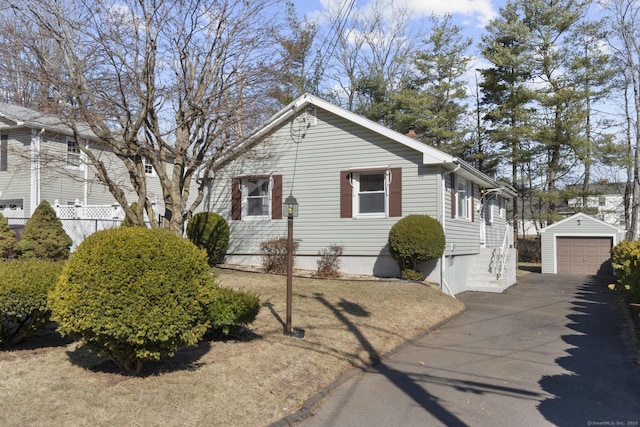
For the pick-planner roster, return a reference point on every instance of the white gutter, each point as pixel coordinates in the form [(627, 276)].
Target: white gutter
[(35, 170), (443, 282)]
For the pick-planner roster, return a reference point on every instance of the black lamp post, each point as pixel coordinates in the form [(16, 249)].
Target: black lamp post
[(291, 207)]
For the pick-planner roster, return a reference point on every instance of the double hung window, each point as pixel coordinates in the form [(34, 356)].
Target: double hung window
[(371, 193)]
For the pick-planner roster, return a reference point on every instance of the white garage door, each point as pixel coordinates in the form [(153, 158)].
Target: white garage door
[(584, 255)]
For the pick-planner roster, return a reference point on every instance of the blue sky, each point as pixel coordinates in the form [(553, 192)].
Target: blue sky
[(474, 15)]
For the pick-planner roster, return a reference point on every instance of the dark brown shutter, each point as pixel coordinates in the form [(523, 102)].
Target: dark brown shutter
[(453, 196), (236, 199), (276, 197), (346, 195), (395, 192)]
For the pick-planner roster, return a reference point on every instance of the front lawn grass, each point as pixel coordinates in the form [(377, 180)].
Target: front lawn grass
[(253, 381)]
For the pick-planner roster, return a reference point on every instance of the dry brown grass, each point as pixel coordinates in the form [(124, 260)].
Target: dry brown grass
[(252, 382)]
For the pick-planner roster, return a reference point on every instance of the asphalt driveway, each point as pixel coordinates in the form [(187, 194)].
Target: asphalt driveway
[(552, 350)]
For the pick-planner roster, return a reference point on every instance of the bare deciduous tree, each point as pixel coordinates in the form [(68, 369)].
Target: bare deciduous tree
[(170, 82)]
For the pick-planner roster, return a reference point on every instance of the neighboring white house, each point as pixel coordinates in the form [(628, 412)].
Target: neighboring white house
[(353, 179), (40, 160), (605, 202)]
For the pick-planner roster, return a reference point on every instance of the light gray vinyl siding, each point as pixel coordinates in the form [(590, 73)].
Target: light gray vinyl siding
[(310, 163), (15, 181), (462, 235)]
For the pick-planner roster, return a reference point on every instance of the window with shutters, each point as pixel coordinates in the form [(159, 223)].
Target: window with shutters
[(256, 197), (371, 193)]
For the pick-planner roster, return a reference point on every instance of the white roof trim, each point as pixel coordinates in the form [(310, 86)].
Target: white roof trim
[(430, 155), (582, 216)]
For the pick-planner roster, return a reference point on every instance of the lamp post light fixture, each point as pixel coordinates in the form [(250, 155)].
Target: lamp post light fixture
[(291, 207)]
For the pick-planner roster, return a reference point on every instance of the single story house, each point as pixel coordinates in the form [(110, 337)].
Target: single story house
[(353, 179), (579, 244)]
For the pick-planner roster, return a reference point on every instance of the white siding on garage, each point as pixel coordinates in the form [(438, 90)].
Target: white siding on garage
[(576, 226)]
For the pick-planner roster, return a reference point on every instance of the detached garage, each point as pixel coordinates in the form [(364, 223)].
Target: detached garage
[(580, 244)]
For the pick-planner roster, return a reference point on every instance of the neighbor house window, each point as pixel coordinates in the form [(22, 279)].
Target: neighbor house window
[(4, 148), (73, 153), (256, 197), (148, 167), (371, 193)]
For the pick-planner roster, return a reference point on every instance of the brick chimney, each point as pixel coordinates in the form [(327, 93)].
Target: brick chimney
[(412, 134)]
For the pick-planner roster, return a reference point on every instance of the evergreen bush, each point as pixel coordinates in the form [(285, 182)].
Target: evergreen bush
[(230, 310), (210, 231), (8, 243), (415, 239), (24, 288), (43, 236), (134, 294), (625, 259)]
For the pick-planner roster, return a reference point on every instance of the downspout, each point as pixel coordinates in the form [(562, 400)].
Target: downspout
[(86, 174), (443, 282), (35, 171)]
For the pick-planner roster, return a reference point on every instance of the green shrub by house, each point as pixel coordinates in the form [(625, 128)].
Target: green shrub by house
[(8, 243), (210, 231), (625, 259), (24, 288), (231, 309), (415, 239), (134, 294), (43, 236)]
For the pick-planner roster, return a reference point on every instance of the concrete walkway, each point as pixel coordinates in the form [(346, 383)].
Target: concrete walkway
[(552, 350)]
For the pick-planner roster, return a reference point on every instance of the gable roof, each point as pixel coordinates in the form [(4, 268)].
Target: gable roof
[(430, 155), (581, 216), (23, 117)]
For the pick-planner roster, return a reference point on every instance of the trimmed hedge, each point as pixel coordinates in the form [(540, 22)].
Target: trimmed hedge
[(625, 259), (230, 310), (415, 239), (24, 288), (43, 236), (210, 231), (8, 243), (134, 294)]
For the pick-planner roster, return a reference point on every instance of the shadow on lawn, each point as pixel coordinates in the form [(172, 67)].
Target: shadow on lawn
[(185, 359)]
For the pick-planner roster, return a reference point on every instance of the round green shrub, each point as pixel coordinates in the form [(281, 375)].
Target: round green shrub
[(8, 243), (210, 231), (415, 239), (24, 288), (43, 236), (134, 294), (231, 309)]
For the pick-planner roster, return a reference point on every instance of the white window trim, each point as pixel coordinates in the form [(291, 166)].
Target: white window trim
[(147, 162), (355, 184), (245, 204), (467, 199), (81, 157)]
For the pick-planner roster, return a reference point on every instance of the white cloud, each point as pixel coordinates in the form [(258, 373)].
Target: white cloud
[(481, 11)]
